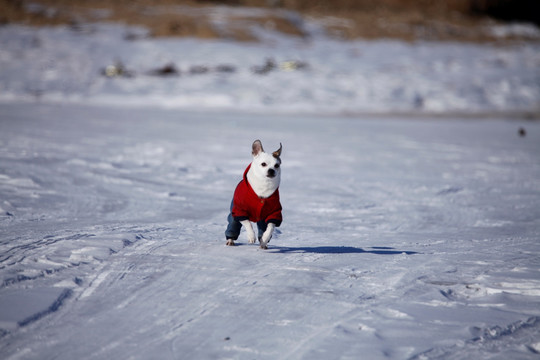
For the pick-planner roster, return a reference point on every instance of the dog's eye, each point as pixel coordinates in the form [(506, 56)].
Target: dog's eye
[(276, 166), (263, 164)]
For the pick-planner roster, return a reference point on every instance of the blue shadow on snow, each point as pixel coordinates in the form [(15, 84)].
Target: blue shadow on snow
[(339, 250)]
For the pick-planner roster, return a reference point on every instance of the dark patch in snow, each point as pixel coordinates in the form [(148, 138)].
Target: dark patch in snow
[(51, 309), (21, 278), (225, 68), (166, 70), (449, 294), (126, 242), (264, 69), (450, 190)]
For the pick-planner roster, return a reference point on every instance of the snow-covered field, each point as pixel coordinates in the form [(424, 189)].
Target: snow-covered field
[(403, 237), (317, 75)]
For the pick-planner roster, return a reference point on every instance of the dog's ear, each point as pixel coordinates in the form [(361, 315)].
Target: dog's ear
[(277, 153), (256, 148)]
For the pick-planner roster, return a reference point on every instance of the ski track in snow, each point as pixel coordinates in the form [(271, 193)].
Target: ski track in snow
[(401, 238)]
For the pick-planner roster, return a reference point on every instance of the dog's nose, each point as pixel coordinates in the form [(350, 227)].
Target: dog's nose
[(271, 173)]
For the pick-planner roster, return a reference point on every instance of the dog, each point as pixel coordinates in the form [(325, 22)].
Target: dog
[(256, 198)]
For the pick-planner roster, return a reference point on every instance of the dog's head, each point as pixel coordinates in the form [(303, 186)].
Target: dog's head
[(264, 165)]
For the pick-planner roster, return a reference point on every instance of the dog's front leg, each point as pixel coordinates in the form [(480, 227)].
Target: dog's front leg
[(249, 230), (267, 235)]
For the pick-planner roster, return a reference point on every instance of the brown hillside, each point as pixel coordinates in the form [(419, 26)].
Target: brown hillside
[(455, 20)]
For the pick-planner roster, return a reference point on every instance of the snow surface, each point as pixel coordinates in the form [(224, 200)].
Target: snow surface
[(403, 237)]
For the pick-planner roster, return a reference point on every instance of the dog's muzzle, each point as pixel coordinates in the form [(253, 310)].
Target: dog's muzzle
[(271, 173)]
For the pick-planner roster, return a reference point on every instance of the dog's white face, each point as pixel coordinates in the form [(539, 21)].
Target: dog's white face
[(265, 172), (266, 166)]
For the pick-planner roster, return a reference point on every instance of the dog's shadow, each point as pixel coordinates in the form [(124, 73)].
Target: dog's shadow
[(378, 250)]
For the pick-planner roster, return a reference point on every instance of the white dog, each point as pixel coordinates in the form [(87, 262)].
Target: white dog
[(256, 198)]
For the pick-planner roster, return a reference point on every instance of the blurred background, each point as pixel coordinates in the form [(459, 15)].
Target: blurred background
[(341, 56), (461, 20)]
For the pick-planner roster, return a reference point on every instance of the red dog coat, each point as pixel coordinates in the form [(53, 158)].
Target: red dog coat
[(247, 205)]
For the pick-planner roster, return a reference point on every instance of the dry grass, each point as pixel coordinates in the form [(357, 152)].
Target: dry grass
[(162, 17), (406, 25), (347, 19)]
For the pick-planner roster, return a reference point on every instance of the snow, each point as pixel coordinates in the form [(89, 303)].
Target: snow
[(404, 237), (62, 64)]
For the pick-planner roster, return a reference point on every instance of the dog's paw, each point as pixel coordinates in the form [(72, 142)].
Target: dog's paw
[(230, 242), (267, 235), (264, 245), (251, 238)]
